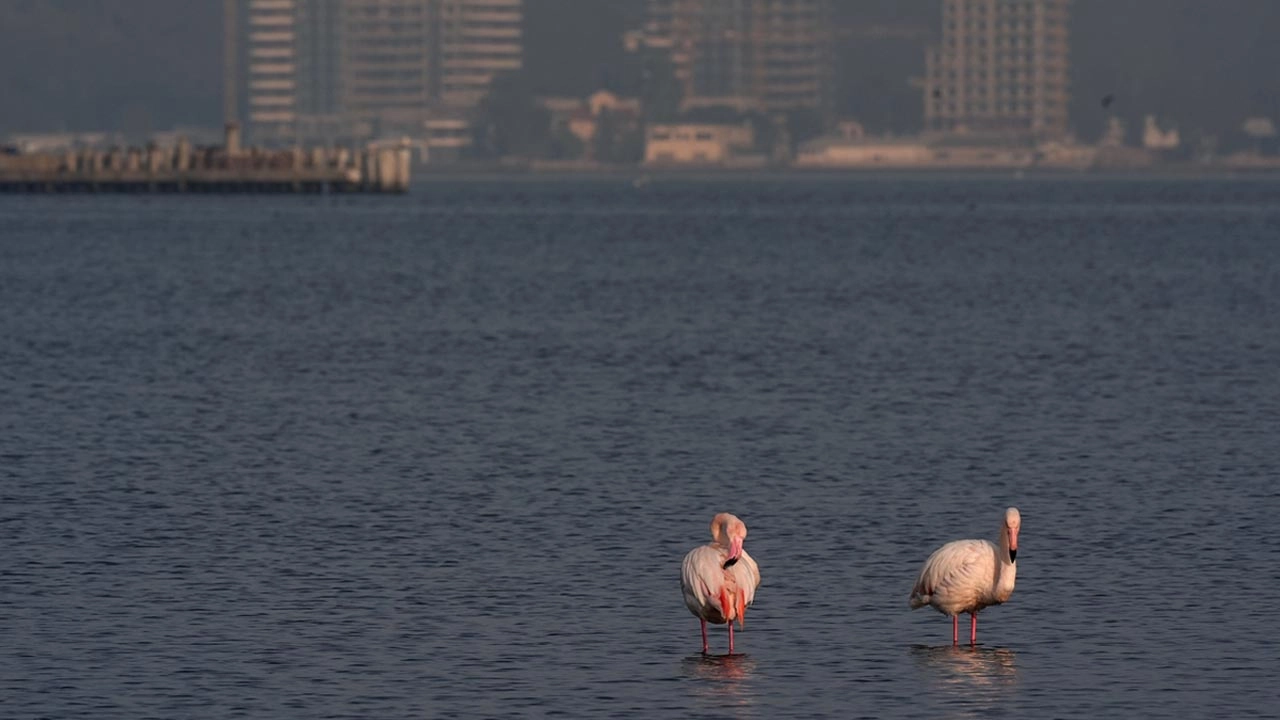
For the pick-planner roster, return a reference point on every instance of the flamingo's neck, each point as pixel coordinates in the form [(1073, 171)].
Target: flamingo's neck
[(1006, 570), (1005, 576)]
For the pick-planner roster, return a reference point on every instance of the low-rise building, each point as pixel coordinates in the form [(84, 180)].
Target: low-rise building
[(602, 101), (26, 143), (696, 144), (941, 152), (862, 152), (581, 116), (1154, 138), (585, 117), (447, 138)]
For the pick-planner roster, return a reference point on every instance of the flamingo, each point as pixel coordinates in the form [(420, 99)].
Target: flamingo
[(719, 579), (968, 575)]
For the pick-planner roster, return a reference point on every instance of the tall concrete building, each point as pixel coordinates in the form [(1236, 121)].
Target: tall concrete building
[(267, 60), (477, 40), (355, 68), (777, 53), (281, 58), (385, 67), (1003, 67)]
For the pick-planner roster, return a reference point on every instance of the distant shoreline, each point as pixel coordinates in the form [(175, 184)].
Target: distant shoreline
[(429, 174)]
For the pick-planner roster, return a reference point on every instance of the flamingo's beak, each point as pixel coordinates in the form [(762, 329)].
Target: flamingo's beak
[(735, 550), (1013, 544)]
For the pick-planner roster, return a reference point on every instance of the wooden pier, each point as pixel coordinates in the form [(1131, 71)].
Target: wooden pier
[(183, 168)]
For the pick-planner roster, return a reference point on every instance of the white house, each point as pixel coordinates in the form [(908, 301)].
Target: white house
[(696, 144)]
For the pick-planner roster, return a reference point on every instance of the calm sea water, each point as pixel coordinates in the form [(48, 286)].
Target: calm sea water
[(441, 455)]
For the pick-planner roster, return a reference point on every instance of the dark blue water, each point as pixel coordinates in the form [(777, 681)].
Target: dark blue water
[(441, 455)]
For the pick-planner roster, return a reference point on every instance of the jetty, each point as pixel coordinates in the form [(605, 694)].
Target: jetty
[(230, 168)]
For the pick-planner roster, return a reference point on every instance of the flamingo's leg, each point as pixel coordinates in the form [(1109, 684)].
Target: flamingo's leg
[(955, 629), (704, 635), (730, 637), (973, 628)]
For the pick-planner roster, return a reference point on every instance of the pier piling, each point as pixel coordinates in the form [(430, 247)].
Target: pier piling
[(227, 169)]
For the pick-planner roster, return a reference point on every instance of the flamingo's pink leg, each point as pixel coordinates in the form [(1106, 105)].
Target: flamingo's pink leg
[(731, 637), (955, 629), (704, 635), (973, 628)]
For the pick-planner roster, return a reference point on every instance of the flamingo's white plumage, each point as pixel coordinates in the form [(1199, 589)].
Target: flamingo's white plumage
[(719, 579), (966, 576)]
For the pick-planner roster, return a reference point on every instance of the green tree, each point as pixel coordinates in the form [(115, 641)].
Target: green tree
[(603, 144), (618, 139), (564, 145), (509, 121), (629, 148), (805, 124)]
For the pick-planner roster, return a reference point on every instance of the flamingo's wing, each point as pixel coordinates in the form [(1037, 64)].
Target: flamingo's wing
[(701, 578), (957, 564), (747, 576)]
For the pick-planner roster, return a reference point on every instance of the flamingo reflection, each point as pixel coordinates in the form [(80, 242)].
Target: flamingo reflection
[(725, 680), (977, 672), (720, 667)]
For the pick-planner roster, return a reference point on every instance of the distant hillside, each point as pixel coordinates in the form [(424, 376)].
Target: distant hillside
[(136, 65)]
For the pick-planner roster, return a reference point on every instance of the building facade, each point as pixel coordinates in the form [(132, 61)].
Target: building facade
[(1002, 68), (351, 69), (385, 65), (695, 144), (478, 39), (268, 62), (775, 52)]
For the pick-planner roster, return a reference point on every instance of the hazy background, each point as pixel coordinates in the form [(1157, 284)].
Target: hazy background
[(144, 65)]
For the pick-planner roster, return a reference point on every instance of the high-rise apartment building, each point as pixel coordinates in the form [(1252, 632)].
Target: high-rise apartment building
[(306, 67), (386, 66), (319, 52), (1002, 67), (777, 53), (282, 57), (268, 61), (478, 39)]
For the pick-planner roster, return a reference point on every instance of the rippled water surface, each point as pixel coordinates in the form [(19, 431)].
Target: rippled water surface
[(441, 455)]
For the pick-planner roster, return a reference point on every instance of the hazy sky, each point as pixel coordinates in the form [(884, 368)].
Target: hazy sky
[(141, 65)]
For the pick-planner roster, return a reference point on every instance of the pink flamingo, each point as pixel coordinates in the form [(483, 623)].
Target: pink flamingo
[(968, 575), (719, 579)]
